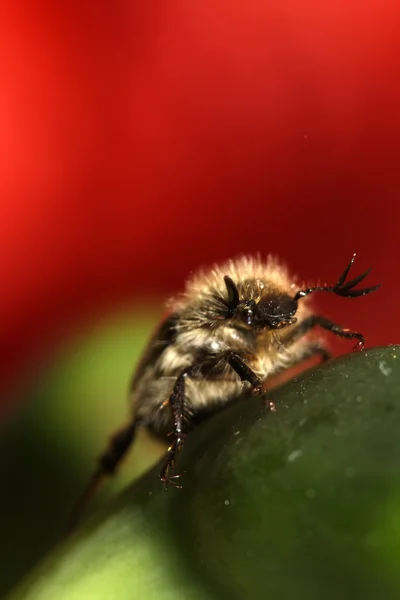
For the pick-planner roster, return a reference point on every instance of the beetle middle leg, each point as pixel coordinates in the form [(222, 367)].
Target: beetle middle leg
[(179, 410), (177, 404), (317, 320)]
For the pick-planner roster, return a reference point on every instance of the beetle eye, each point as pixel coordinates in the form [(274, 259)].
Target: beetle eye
[(277, 308)]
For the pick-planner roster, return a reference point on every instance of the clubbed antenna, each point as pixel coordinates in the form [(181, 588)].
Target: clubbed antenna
[(233, 294), (341, 288)]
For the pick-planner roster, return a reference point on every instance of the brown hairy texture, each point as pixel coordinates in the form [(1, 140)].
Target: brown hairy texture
[(202, 331), (245, 322)]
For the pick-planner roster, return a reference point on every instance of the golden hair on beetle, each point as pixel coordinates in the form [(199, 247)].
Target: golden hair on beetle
[(236, 324)]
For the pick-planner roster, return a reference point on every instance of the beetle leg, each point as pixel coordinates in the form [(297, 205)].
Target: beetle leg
[(317, 320), (107, 465), (177, 404), (245, 373)]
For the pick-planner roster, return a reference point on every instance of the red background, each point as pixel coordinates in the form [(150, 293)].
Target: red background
[(141, 139)]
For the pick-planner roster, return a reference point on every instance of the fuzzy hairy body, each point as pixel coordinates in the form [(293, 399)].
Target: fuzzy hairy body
[(236, 324), (198, 333)]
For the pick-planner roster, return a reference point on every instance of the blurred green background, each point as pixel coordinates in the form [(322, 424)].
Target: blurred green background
[(49, 447), (297, 502)]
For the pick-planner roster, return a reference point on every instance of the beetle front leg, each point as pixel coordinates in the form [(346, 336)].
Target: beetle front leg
[(245, 373), (179, 411)]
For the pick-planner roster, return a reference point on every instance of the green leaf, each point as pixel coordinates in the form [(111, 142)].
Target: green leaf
[(301, 502)]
